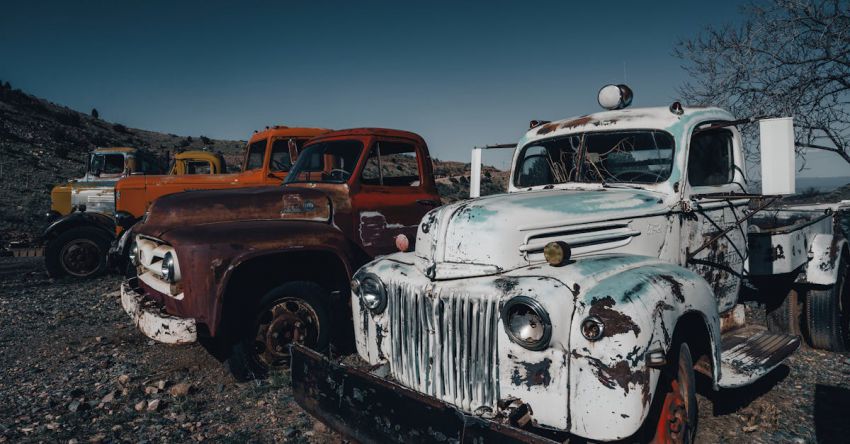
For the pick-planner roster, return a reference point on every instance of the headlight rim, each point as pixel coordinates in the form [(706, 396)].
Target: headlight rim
[(361, 281), (539, 310), (169, 267)]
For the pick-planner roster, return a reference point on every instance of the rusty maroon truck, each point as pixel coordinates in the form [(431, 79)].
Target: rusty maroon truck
[(581, 303), (249, 271)]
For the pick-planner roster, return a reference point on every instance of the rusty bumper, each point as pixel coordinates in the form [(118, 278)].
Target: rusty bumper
[(150, 319), (370, 409)]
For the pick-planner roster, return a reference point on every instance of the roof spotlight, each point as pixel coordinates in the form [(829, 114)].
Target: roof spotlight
[(613, 97)]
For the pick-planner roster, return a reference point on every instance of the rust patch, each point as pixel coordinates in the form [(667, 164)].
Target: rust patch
[(535, 374), (581, 121), (615, 321), (547, 128), (619, 375), (506, 284), (675, 286)]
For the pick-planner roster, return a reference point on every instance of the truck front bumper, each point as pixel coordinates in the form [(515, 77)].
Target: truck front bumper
[(152, 321), (370, 409)]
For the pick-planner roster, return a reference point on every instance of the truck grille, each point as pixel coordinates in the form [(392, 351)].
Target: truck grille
[(444, 344)]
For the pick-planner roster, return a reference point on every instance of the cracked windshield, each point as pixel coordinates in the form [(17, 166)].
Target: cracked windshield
[(612, 157)]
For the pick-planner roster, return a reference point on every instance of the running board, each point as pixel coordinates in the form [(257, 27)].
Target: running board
[(751, 352)]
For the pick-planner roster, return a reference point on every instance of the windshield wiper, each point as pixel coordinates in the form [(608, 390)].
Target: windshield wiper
[(621, 185)]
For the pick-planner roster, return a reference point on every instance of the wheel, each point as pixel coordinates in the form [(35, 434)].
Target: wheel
[(677, 412), (292, 312), (79, 252), (826, 322), (785, 318)]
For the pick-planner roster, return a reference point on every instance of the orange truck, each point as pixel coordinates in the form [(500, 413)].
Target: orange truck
[(268, 157)]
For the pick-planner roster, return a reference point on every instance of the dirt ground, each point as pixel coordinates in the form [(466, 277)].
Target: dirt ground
[(73, 369)]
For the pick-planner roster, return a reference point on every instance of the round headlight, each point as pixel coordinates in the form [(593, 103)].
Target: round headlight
[(372, 294), (527, 323), (168, 272)]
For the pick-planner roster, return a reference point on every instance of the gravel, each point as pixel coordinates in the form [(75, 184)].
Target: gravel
[(74, 369)]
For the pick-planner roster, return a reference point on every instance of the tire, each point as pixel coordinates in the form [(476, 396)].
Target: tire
[(676, 408), (785, 318), (826, 321), (78, 252), (286, 311)]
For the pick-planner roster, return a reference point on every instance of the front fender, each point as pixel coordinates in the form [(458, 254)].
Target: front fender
[(611, 385), (209, 255), (79, 219), (825, 253)]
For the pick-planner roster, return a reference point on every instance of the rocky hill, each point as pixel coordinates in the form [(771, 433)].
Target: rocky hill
[(43, 144)]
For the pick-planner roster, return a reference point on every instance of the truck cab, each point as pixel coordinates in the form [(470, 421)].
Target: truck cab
[(249, 271), (578, 304), (197, 162)]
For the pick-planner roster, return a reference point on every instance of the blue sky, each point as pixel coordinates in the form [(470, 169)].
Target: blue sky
[(459, 74)]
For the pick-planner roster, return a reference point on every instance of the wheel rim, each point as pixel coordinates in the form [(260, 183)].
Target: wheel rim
[(80, 257), (674, 421), (289, 320)]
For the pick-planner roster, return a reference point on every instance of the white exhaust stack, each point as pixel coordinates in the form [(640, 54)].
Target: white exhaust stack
[(777, 156), (475, 174)]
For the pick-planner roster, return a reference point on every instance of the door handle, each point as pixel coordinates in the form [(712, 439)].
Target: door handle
[(428, 202)]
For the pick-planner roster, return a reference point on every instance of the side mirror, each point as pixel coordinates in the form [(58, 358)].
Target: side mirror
[(776, 137)]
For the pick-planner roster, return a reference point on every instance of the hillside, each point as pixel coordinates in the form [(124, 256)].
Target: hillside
[(43, 144)]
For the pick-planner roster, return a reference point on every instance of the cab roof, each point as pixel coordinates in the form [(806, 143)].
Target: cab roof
[(116, 149), (285, 131), (196, 154), (387, 132), (630, 118)]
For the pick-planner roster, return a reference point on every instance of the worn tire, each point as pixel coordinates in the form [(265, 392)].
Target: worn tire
[(785, 318), (676, 386), (826, 319), (251, 357), (78, 252)]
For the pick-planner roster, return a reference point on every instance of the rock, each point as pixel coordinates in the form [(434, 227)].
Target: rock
[(160, 384), (140, 405), (108, 398), (319, 427), (123, 379), (151, 390), (180, 389), (153, 405), (290, 432), (74, 405)]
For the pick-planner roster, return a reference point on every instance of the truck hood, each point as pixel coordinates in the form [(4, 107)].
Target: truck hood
[(506, 231), (212, 206)]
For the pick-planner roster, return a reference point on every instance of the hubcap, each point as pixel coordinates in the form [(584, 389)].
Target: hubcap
[(673, 421), (80, 257), (290, 320)]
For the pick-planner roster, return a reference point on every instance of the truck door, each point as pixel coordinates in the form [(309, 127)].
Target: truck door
[(713, 159), (392, 197)]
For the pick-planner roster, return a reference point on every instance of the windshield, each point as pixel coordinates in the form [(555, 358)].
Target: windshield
[(104, 164), (642, 156), (330, 162)]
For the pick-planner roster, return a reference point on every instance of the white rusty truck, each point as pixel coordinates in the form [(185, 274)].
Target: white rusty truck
[(581, 303)]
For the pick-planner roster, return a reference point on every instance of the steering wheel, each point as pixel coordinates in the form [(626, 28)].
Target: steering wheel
[(634, 176), (343, 175)]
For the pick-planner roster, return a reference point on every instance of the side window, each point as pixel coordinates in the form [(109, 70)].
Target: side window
[(711, 160), (256, 155), (391, 164), (281, 159), (535, 169), (197, 167)]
